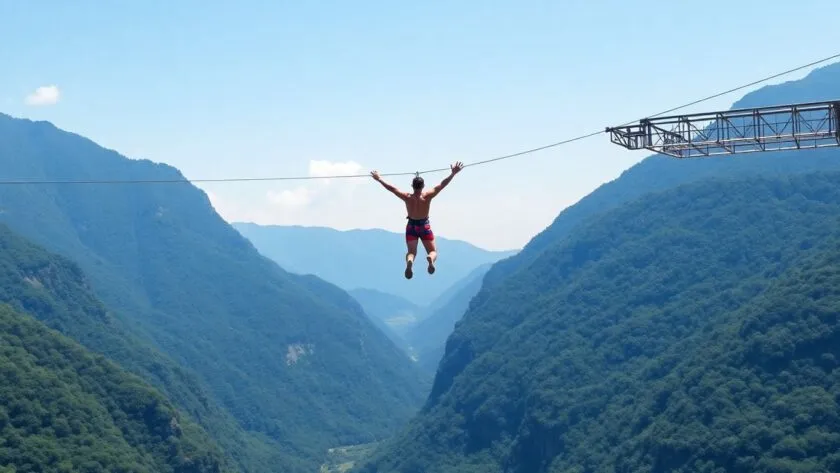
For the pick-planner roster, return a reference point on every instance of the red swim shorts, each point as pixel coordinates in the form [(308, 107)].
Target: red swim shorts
[(418, 229)]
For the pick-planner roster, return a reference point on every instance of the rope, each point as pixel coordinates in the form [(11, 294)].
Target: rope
[(415, 173)]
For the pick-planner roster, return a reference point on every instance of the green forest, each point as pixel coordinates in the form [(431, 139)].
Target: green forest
[(65, 409), (693, 330), (56, 291)]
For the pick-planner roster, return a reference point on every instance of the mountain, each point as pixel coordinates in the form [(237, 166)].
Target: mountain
[(693, 329), (67, 409), (54, 290), (376, 256), (428, 337), (291, 358)]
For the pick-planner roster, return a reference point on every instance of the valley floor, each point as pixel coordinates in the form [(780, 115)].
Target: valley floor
[(342, 459)]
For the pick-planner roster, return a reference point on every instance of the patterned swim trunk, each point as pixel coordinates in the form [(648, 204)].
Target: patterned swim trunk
[(418, 229)]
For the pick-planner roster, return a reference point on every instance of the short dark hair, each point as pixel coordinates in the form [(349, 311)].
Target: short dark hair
[(417, 183)]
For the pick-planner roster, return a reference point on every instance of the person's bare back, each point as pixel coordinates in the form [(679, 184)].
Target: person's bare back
[(417, 206)]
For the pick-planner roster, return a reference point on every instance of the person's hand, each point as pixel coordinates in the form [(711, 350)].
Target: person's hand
[(375, 175), (456, 167)]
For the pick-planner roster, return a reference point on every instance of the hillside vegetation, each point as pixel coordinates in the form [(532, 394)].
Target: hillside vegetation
[(291, 358), (65, 409), (55, 290), (693, 330)]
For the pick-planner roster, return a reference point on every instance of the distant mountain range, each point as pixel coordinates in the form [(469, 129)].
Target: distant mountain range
[(365, 259)]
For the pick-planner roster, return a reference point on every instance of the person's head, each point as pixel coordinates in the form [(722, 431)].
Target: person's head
[(417, 184)]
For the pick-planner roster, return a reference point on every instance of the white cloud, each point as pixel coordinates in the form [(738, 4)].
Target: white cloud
[(307, 194), (295, 198), (46, 95), (343, 203), (329, 168)]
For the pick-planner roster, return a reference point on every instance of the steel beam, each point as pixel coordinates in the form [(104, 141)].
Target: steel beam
[(787, 127)]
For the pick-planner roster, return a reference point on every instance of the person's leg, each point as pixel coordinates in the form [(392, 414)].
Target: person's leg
[(411, 246), (431, 254), (409, 257), (428, 238)]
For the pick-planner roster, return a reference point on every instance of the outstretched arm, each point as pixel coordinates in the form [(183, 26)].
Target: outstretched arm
[(390, 188), (456, 168)]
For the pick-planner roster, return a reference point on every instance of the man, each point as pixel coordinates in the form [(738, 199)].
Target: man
[(417, 205)]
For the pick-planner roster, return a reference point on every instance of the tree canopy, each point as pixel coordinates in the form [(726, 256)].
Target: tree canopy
[(65, 409)]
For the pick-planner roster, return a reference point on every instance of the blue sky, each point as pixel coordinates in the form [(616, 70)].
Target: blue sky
[(273, 88)]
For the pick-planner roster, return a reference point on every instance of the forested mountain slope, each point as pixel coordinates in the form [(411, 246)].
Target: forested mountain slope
[(290, 357), (55, 291), (691, 330), (66, 409), (661, 172), (376, 256)]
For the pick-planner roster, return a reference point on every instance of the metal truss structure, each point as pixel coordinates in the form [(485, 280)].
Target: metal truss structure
[(786, 127)]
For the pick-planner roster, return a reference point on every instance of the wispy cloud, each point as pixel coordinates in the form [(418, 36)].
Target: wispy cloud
[(291, 198), (329, 168), (45, 95), (305, 194)]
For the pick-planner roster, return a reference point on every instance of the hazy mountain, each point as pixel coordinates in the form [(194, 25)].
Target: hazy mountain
[(291, 358), (377, 258)]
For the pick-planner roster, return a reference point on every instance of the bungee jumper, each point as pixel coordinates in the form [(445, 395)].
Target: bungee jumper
[(417, 204)]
